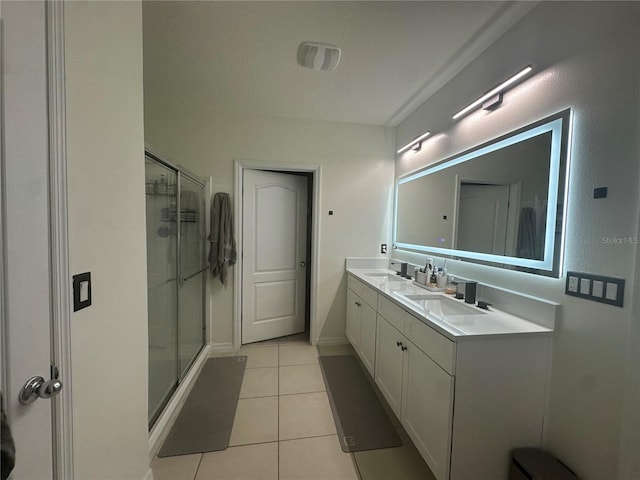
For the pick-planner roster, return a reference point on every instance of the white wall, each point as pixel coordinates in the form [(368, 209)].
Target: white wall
[(107, 237), (357, 174), (585, 56)]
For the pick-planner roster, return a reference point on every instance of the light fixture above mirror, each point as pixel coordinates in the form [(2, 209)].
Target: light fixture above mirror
[(415, 144), (495, 92)]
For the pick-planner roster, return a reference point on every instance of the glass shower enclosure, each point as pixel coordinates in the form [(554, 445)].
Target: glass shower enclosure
[(176, 273)]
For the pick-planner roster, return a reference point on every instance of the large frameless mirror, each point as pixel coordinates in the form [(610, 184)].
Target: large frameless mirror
[(501, 203)]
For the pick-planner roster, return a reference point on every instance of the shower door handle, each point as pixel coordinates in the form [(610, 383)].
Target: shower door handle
[(188, 277)]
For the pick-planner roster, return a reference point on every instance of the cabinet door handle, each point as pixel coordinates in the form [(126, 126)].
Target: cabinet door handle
[(398, 344), (404, 349), (358, 304)]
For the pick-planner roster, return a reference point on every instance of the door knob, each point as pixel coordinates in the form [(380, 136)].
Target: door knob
[(37, 387), (302, 264)]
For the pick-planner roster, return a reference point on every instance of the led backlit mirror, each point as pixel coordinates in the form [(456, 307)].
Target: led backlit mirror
[(500, 203)]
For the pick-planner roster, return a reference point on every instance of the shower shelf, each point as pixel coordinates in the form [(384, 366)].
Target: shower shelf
[(187, 215), (160, 189)]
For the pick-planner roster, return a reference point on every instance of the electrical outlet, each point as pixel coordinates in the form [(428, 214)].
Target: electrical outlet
[(572, 285), (383, 248)]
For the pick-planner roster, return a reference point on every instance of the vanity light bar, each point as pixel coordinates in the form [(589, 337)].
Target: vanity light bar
[(494, 91), (413, 142)]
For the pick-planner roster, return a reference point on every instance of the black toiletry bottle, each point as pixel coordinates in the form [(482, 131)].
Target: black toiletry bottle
[(433, 281)]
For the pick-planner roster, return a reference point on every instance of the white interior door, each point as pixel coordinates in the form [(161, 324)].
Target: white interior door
[(482, 218), (26, 265), (274, 230)]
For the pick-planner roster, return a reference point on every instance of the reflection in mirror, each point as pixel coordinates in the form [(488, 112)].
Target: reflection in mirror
[(500, 203)]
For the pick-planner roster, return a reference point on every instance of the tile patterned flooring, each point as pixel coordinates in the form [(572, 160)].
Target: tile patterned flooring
[(284, 429)]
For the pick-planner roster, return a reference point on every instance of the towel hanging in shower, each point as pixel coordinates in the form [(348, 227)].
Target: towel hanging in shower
[(223, 246)]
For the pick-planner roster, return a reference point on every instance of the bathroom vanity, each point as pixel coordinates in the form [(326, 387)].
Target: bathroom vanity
[(468, 385)]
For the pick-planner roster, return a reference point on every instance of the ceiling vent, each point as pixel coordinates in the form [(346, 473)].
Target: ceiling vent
[(318, 56)]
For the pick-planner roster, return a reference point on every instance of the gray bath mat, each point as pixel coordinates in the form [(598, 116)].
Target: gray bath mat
[(205, 421), (361, 420)]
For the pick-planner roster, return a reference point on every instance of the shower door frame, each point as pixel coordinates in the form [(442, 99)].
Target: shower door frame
[(181, 172)]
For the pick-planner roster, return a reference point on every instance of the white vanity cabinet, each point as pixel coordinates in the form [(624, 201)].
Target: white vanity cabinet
[(390, 363), (418, 390), (427, 409), (353, 318), (361, 321), (465, 401)]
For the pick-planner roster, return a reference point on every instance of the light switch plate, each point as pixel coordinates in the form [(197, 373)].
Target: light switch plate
[(585, 286), (609, 290), (612, 291), (597, 288), (81, 291)]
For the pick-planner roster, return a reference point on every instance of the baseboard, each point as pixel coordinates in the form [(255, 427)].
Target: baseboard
[(332, 341), (162, 427), (221, 349)]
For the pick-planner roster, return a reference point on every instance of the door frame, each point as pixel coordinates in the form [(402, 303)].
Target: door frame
[(316, 170), (59, 242), (60, 281)]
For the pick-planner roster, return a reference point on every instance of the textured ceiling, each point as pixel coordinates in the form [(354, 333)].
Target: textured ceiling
[(240, 57)]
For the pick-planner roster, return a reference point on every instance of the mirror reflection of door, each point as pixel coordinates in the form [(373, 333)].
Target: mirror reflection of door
[(482, 218)]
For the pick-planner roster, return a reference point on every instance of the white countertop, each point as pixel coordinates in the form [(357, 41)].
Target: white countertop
[(454, 326)]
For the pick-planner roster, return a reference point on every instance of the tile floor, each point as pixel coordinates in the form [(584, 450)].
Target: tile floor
[(284, 429)]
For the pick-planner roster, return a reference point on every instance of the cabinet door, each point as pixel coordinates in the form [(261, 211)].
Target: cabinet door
[(368, 337), (427, 409), (389, 362), (353, 319)]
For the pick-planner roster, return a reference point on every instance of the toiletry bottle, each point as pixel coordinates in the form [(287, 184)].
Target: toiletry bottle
[(450, 289), (441, 279), (433, 281)]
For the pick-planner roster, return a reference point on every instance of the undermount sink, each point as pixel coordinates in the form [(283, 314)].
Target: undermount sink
[(442, 306), (423, 296), (389, 276)]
